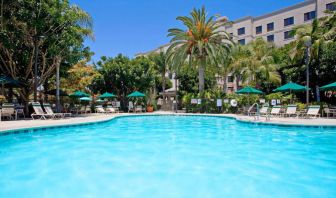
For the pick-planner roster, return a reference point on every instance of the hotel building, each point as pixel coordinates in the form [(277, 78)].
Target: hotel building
[(274, 27)]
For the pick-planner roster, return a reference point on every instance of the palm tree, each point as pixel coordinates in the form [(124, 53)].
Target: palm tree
[(254, 63), (199, 44), (161, 65)]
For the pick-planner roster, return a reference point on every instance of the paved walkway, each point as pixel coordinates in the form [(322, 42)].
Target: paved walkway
[(22, 124)]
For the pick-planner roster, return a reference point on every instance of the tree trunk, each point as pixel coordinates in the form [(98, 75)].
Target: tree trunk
[(164, 88), (201, 71), (225, 83)]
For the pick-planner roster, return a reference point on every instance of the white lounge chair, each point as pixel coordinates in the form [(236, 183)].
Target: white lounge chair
[(49, 111), (291, 110), (100, 109), (138, 108), (130, 106), (110, 109), (39, 111), (275, 111), (8, 110), (313, 111)]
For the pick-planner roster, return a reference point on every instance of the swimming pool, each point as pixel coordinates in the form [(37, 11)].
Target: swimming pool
[(169, 156)]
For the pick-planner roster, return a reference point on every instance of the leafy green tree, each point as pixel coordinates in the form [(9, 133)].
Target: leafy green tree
[(56, 28), (199, 44), (161, 65)]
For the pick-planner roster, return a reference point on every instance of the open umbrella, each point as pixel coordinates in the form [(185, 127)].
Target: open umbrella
[(107, 95), (290, 87), (79, 94), (136, 94), (85, 99), (329, 87), (249, 90), (4, 80)]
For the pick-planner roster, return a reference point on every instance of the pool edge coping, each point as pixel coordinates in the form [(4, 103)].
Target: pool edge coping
[(228, 116)]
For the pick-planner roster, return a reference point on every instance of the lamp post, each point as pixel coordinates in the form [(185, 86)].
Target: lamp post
[(36, 40), (307, 58)]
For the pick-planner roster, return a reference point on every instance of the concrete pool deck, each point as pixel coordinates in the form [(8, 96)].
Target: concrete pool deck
[(92, 118)]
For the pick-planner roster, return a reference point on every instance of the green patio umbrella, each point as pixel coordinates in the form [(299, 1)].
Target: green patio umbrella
[(136, 94), (100, 100), (4, 80), (290, 87), (85, 99), (79, 94), (329, 87), (249, 90), (107, 95)]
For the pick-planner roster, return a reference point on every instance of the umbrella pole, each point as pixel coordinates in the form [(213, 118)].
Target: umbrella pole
[(3, 89)]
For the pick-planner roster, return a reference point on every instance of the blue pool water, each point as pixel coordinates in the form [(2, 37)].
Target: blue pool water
[(170, 156)]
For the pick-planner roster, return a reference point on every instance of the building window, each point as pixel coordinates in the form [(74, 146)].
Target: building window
[(270, 27), (241, 41), (241, 31), (270, 38), (289, 21), (230, 79), (288, 34), (259, 30), (231, 35), (331, 6), (309, 16)]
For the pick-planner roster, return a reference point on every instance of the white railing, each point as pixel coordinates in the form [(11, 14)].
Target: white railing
[(257, 114)]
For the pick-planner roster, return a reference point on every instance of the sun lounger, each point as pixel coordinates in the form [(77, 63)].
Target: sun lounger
[(130, 106), (8, 110), (110, 109), (275, 111), (39, 111), (290, 111), (100, 109), (313, 111), (49, 111), (138, 109)]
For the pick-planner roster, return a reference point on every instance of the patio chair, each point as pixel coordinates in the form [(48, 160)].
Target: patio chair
[(39, 112), (263, 110), (8, 111), (138, 108), (130, 106), (291, 110), (312, 112), (100, 109), (275, 111), (49, 111), (327, 111), (110, 109)]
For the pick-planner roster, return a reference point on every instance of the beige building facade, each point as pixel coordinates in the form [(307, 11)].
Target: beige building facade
[(274, 27)]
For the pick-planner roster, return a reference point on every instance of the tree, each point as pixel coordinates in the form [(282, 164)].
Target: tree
[(199, 44), (161, 65), (63, 28), (121, 76), (81, 76)]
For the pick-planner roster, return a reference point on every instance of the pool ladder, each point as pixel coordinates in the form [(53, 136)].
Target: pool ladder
[(256, 116)]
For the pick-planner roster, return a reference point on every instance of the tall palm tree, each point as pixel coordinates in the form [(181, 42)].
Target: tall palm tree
[(200, 43), (161, 65)]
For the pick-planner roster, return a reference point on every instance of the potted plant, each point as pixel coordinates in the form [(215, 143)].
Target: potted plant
[(150, 101)]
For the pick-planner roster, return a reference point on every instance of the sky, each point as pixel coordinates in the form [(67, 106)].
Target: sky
[(133, 26)]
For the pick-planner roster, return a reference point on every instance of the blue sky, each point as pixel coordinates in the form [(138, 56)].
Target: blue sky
[(133, 26)]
